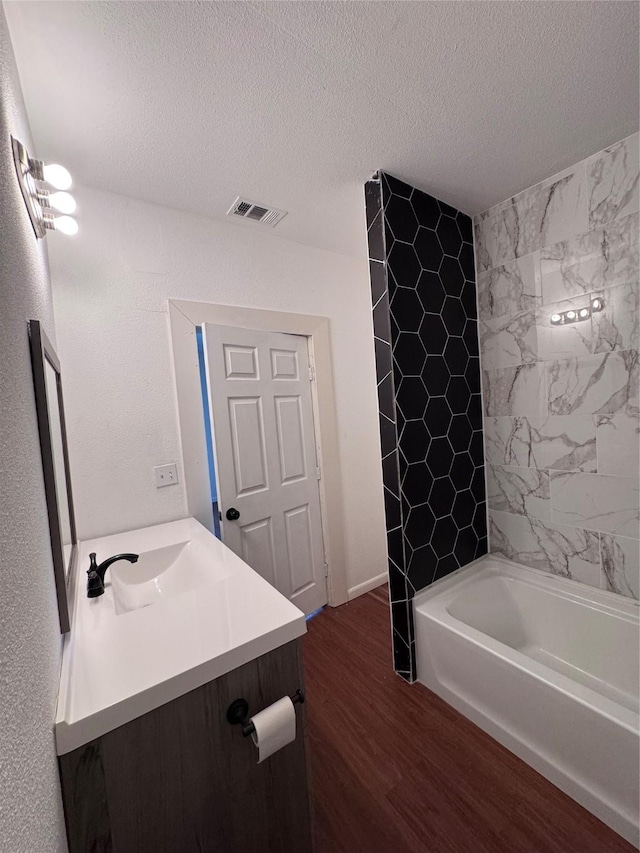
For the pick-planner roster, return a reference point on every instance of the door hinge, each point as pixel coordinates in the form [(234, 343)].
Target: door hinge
[(312, 373), (326, 569), (318, 473)]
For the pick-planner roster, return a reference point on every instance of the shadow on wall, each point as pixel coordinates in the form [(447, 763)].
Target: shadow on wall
[(426, 342)]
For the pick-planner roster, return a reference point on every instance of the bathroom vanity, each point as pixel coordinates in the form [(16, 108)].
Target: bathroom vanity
[(148, 760)]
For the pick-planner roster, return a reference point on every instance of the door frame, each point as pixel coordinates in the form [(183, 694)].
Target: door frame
[(184, 316)]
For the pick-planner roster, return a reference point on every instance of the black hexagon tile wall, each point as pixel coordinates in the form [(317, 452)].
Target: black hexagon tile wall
[(426, 344)]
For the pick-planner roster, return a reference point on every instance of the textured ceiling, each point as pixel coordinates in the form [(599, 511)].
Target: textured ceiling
[(189, 104)]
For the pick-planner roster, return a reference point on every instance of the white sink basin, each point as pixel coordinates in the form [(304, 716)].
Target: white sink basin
[(124, 658), (162, 574)]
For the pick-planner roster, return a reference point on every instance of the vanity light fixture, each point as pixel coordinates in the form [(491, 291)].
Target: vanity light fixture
[(35, 178), (56, 175), (65, 224), (573, 316), (62, 202)]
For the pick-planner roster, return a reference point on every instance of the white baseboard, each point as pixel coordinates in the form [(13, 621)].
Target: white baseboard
[(367, 586)]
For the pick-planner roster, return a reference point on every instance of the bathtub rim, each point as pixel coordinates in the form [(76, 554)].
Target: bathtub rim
[(586, 789), (574, 588), (432, 603)]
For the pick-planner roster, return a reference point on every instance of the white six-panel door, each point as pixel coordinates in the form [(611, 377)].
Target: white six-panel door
[(265, 455)]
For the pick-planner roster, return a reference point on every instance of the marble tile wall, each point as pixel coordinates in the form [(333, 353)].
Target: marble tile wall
[(561, 403)]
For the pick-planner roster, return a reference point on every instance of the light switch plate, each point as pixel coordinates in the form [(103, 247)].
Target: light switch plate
[(166, 475)]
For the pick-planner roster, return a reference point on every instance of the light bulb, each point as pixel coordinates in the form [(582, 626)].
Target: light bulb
[(64, 202), (66, 224), (555, 318), (597, 304), (57, 176), (571, 315), (584, 312)]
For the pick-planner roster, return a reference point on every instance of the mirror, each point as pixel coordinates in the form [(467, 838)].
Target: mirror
[(59, 468), (55, 463)]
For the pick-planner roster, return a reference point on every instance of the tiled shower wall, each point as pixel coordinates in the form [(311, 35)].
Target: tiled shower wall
[(426, 339), (561, 402)]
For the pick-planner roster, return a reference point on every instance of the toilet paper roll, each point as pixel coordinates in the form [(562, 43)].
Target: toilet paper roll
[(275, 727)]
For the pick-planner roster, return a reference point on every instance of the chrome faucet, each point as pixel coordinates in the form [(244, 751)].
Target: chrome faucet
[(95, 574)]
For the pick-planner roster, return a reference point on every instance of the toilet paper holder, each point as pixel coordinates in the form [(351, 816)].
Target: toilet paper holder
[(238, 712)]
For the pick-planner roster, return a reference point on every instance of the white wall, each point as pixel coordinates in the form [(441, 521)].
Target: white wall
[(111, 285), (30, 807)]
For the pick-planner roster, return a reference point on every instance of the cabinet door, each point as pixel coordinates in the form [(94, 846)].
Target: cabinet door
[(181, 778)]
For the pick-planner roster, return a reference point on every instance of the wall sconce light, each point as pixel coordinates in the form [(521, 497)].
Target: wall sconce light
[(575, 316), (35, 178)]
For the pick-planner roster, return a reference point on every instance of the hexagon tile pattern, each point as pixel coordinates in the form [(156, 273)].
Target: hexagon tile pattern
[(426, 343)]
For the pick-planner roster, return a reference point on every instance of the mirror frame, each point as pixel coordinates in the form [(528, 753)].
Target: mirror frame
[(42, 352)]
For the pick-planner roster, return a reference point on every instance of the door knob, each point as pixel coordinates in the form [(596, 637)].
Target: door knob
[(232, 514)]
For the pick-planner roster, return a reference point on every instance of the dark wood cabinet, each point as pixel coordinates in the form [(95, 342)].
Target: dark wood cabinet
[(181, 779)]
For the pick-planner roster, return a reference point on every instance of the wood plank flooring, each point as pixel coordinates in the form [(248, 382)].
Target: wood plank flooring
[(396, 770)]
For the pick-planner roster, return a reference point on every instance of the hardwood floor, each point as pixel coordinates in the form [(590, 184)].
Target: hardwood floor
[(396, 770)]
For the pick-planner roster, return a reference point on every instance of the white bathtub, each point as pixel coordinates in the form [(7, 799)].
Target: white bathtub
[(546, 666)]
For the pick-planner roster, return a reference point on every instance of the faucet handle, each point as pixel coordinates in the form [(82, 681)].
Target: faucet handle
[(95, 587), (95, 584)]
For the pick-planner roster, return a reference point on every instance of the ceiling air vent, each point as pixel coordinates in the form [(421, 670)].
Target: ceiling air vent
[(257, 212)]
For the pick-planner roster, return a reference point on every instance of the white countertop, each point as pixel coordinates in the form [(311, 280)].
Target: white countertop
[(116, 667)]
